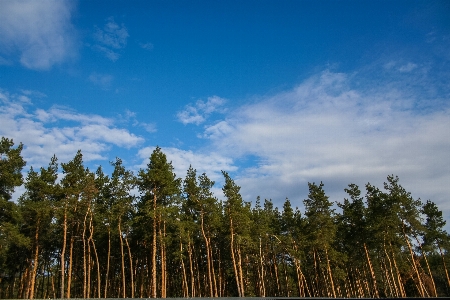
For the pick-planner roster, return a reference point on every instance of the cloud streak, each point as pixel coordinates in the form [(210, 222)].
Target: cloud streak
[(40, 32), (111, 39), (47, 132), (200, 111), (330, 129)]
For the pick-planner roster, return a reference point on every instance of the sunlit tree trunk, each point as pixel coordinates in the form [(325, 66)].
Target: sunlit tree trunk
[(35, 261), (122, 259)]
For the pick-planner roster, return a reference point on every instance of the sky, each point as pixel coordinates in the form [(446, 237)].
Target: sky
[(276, 93)]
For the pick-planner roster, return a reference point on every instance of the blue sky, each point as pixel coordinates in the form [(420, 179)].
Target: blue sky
[(277, 93)]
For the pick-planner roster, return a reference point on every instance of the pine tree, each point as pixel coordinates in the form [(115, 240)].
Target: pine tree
[(321, 232), (237, 213), (37, 206), (11, 164), (159, 187)]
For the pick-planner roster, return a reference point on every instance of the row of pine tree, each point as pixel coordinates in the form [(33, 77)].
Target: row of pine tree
[(151, 234)]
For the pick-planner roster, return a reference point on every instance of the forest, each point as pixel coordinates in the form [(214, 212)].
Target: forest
[(77, 233)]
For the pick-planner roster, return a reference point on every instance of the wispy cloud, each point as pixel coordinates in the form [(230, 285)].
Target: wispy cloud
[(199, 112), (147, 46), (335, 129), (48, 132), (102, 80), (111, 39), (41, 32), (208, 162), (407, 68), (130, 117)]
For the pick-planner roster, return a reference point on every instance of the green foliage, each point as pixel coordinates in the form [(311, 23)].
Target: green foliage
[(120, 228), (11, 164)]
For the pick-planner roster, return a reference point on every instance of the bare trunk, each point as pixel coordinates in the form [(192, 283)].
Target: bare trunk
[(261, 262), (91, 229), (445, 267), (107, 263), (131, 267), (392, 277), (372, 273), (241, 274), (162, 234), (122, 260), (428, 266), (69, 275), (191, 268), (84, 257), (185, 283), (420, 284), (330, 274), (233, 259), (36, 257), (208, 258), (63, 250), (153, 289)]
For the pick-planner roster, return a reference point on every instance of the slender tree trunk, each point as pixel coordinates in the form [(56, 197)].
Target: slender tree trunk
[(36, 257), (233, 259), (84, 256), (122, 259), (191, 268), (131, 267), (107, 263), (153, 289), (185, 286), (372, 273), (241, 274), (99, 286), (69, 275), (428, 266), (213, 272), (392, 277), (445, 267), (261, 262), (330, 274), (399, 278), (208, 258), (421, 288), (91, 239), (162, 234), (63, 250)]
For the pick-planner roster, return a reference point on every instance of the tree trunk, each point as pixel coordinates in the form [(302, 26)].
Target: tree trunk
[(69, 275), (107, 263), (63, 250), (208, 258), (122, 259), (185, 283), (420, 285), (233, 259), (330, 274), (131, 267), (36, 257), (153, 289), (445, 267), (372, 273)]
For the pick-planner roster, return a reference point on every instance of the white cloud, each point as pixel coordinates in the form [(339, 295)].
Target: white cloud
[(112, 38), (130, 116), (59, 131), (210, 163), (102, 80), (326, 130), (407, 68), (147, 46), (198, 113), (40, 31)]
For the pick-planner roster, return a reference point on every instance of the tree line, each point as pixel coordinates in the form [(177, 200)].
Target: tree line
[(152, 234)]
